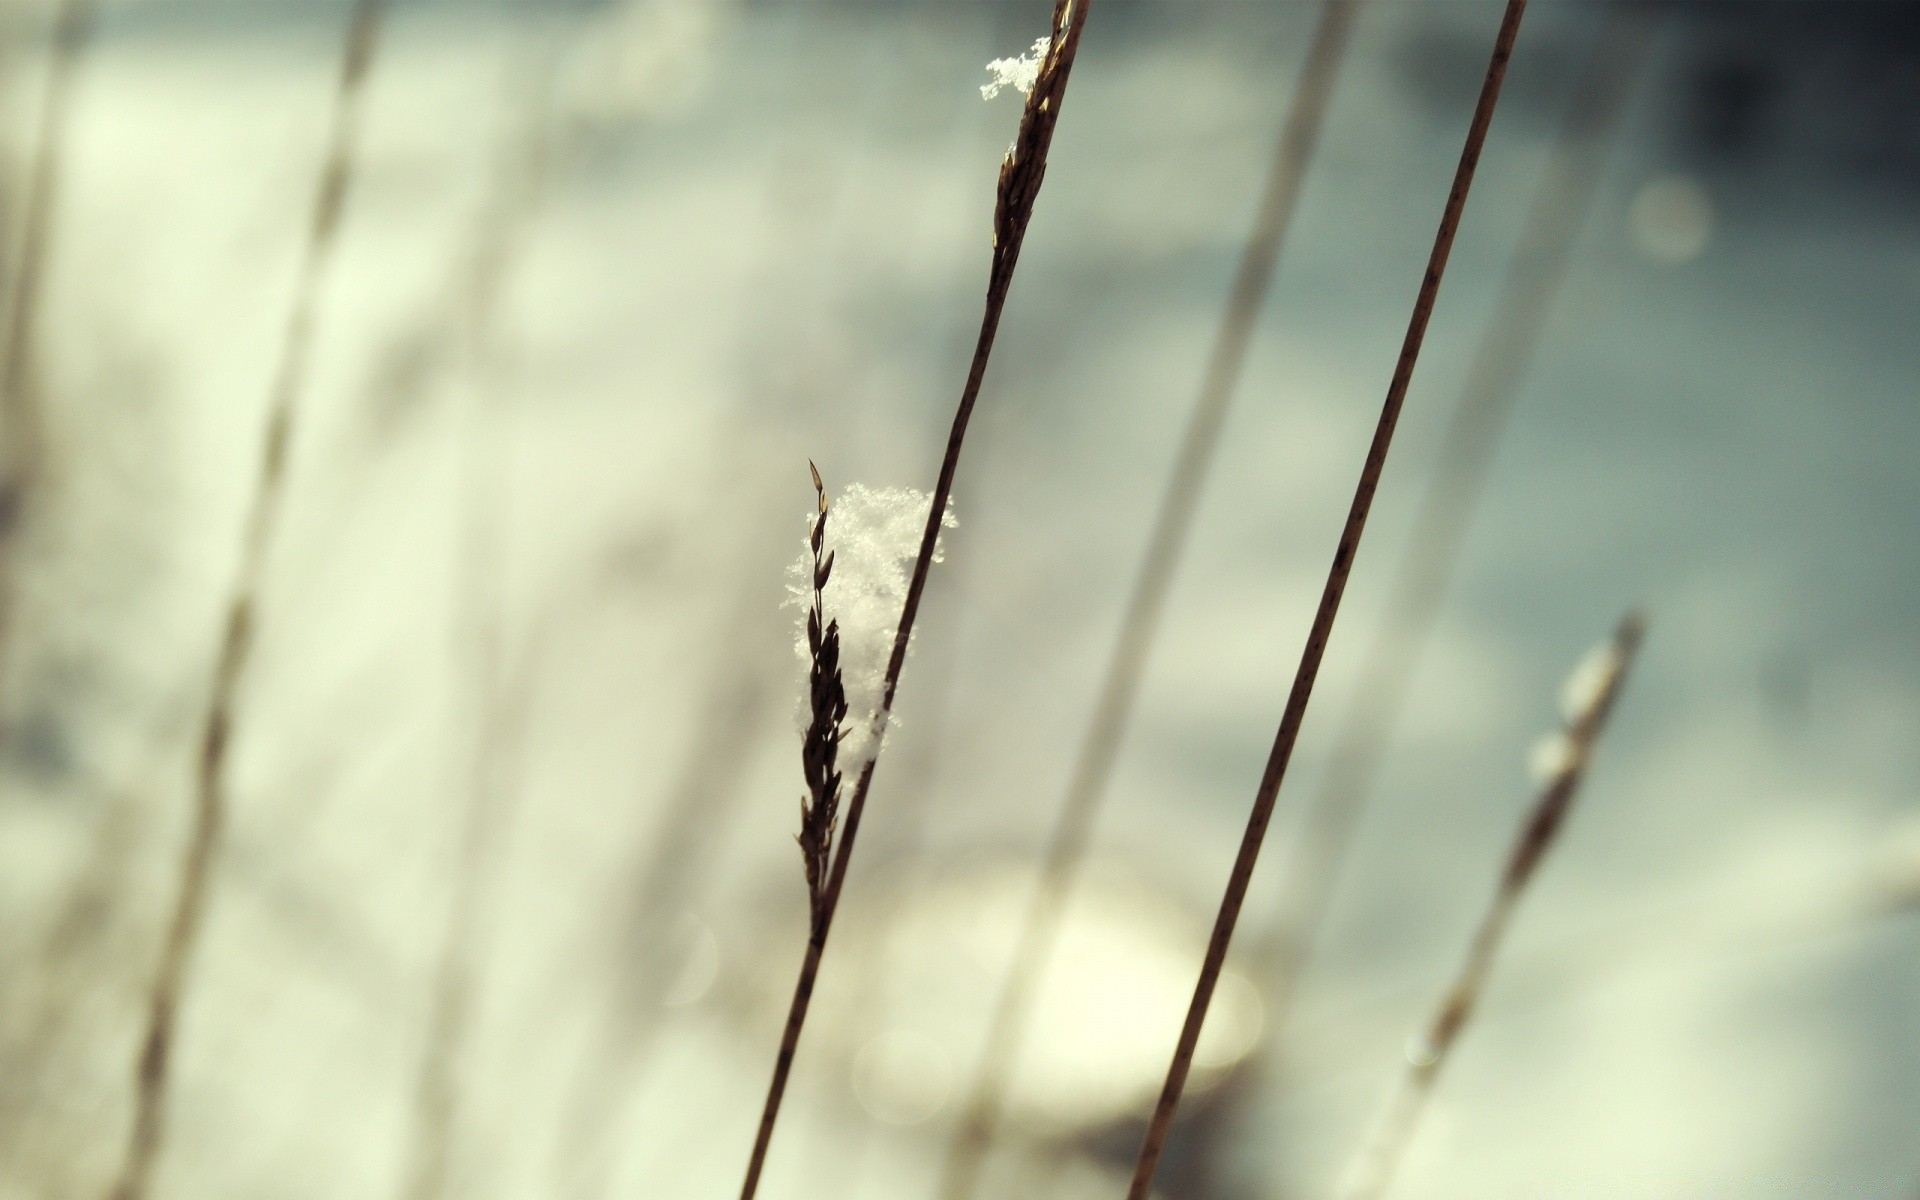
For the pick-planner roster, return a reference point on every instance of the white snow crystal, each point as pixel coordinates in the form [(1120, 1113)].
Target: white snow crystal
[(1590, 679), (1550, 757), (874, 535), (1019, 74)]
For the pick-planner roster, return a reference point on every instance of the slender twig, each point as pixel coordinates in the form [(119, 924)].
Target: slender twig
[(910, 860), (1315, 854), (674, 856), (494, 784), (1120, 688), (1322, 630), (504, 693), (1021, 174), (50, 1022), (236, 640), (709, 787), (1373, 1168), (1702, 932), (22, 433)]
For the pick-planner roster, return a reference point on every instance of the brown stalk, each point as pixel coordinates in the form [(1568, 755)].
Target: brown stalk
[(664, 875), (22, 431), (1302, 690), (236, 640), (1373, 1168), (495, 783), (820, 750), (1021, 173), (503, 709), (1701, 933), (1120, 688), (1508, 345), (709, 786), (1315, 854)]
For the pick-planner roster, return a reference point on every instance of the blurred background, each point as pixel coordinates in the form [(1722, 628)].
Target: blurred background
[(506, 901)]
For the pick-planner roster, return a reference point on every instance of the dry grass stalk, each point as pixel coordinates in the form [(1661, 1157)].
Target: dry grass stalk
[(1021, 174), (236, 640), (820, 750), (1507, 347), (668, 865), (710, 786), (1708, 934), (496, 781), (1593, 691), (504, 693), (1120, 688), (22, 431), (671, 860), (1329, 607)]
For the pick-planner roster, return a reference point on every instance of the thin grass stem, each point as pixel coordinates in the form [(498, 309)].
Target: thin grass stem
[(1313, 857), (704, 796), (1021, 174), (673, 858), (1701, 933), (209, 816), (503, 704), (1373, 1168), (1329, 607), (1120, 688), (22, 424), (1508, 345)]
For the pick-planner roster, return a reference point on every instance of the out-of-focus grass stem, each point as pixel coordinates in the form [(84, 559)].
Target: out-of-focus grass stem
[(208, 819), (1373, 1168), (1021, 174), (501, 692), (1120, 688), (1328, 609), (1510, 341), (22, 423)]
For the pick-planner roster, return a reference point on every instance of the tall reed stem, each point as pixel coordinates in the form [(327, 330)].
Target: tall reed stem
[(1021, 174), (1322, 630), (22, 433), (1373, 1169), (1093, 770), (236, 640), (1508, 345), (502, 701)]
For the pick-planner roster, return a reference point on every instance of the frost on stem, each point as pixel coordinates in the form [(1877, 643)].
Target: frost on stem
[(1589, 678), (1598, 671), (1020, 74), (869, 545)]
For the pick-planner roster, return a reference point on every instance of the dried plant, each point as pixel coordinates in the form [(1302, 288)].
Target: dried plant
[(1562, 762), (661, 883), (1329, 607), (1879, 885), (1120, 687), (1021, 174), (1556, 214), (503, 689), (827, 701), (236, 639), (1313, 856), (22, 432)]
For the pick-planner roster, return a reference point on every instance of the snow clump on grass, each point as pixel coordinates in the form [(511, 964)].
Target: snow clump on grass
[(1020, 74), (874, 536)]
